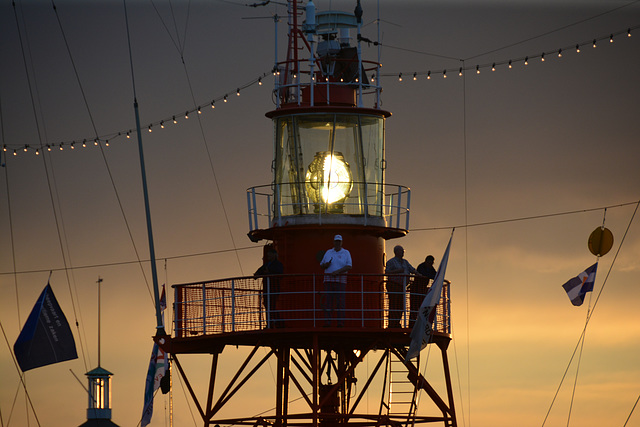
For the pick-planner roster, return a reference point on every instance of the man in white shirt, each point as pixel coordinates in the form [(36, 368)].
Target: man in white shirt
[(335, 263)]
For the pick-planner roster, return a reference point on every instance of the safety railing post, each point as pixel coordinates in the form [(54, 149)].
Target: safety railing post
[(255, 208), (408, 208), (233, 305), (277, 207), (249, 210), (268, 302), (204, 309), (397, 206), (404, 300), (362, 299)]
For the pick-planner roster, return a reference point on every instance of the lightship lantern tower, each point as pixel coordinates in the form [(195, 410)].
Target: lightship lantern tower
[(329, 178)]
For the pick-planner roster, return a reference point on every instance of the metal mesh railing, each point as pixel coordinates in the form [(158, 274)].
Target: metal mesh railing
[(300, 301), (268, 205)]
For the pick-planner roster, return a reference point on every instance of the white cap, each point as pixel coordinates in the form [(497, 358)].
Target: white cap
[(337, 237)]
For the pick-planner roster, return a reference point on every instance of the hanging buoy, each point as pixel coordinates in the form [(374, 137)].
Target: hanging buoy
[(600, 241)]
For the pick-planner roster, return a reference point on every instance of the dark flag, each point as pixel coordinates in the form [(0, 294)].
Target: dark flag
[(46, 337)]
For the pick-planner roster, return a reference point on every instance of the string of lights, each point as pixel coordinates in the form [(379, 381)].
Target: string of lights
[(511, 62), (106, 140)]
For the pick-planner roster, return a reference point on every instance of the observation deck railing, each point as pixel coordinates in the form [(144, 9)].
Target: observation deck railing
[(326, 78), (242, 304), (269, 205)]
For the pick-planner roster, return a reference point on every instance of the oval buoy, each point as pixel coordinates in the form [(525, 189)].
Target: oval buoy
[(600, 241)]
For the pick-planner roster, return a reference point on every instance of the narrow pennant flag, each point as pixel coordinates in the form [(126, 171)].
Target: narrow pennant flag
[(46, 337), (578, 287), (423, 327), (158, 366)]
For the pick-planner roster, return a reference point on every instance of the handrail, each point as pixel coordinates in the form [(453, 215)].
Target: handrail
[(390, 202), (299, 301)]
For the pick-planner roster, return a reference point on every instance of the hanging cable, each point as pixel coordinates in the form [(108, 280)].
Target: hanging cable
[(9, 213), (524, 218), (20, 374), (631, 413), (582, 21)]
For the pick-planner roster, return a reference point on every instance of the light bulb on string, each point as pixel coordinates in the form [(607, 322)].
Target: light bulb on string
[(259, 81), (162, 124), (526, 60), (37, 152), (225, 98), (460, 71), (577, 48), (84, 143), (150, 128), (95, 142), (128, 136), (415, 76), (542, 57), (48, 147), (73, 146), (444, 74), (4, 148), (26, 147), (238, 92), (186, 115), (428, 75), (106, 143), (399, 77), (213, 104), (15, 153), (611, 38), (594, 43), (493, 67), (477, 69), (628, 32), (61, 147), (510, 65), (559, 53), (174, 120), (199, 112)]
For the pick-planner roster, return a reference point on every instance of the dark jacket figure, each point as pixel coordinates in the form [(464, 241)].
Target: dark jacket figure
[(271, 287)]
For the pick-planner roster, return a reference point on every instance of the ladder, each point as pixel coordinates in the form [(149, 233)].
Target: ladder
[(401, 397)]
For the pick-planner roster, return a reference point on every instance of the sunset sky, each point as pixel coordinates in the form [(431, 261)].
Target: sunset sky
[(522, 161)]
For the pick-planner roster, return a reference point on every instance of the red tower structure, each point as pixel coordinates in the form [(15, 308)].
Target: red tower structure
[(329, 178)]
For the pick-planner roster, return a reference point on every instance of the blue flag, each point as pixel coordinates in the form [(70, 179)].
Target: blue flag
[(46, 337), (581, 284)]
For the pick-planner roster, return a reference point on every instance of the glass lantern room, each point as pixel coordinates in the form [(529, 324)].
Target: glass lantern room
[(329, 163)]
